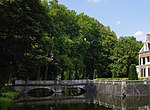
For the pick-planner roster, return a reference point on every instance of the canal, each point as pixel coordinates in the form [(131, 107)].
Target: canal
[(83, 95), (81, 102)]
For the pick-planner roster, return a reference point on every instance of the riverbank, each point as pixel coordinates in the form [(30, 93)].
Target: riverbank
[(6, 97)]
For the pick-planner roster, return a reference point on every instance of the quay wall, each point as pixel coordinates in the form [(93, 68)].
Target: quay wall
[(119, 88)]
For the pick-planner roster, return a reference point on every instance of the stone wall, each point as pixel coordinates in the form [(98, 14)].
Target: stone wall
[(119, 88)]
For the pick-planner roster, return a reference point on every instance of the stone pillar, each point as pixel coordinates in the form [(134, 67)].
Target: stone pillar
[(146, 60), (141, 61), (123, 87), (146, 72), (139, 73)]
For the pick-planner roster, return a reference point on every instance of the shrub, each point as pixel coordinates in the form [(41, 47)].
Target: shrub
[(132, 72)]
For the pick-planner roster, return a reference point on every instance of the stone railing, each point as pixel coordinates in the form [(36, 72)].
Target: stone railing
[(120, 81), (50, 82)]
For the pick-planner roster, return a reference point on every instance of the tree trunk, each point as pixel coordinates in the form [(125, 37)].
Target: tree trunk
[(46, 71)]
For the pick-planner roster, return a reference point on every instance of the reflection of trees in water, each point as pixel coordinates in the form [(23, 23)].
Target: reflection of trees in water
[(69, 106), (83, 106), (86, 102), (130, 102), (45, 92), (40, 92), (73, 91)]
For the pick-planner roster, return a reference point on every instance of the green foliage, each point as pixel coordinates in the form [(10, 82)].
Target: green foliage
[(111, 79), (10, 94), (4, 103), (123, 55), (6, 98), (41, 40), (22, 25), (100, 40), (132, 72)]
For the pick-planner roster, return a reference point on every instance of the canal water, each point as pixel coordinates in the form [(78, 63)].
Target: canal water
[(81, 102)]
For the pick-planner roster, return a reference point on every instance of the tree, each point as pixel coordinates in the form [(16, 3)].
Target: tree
[(22, 25), (123, 55), (41, 40), (101, 41), (64, 32), (132, 72)]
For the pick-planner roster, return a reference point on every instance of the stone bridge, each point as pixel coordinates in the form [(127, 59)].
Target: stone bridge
[(116, 88), (56, 86)]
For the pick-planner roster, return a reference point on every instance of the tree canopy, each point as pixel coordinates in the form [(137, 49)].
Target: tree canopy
[(41, 40)]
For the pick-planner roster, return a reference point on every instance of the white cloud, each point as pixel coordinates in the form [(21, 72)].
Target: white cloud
[(139, 35), (148, 33), (118, 22), (95, 1)]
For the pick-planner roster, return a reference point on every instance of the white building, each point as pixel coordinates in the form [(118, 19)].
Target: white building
[(143, 69)]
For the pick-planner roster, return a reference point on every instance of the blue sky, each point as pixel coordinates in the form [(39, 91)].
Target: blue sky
[(125, 17)]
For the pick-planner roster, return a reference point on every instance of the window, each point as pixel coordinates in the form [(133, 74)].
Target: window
[(141, 72), (144, 72), (147, 59), (148, 71), (143, 60), (148, 46)]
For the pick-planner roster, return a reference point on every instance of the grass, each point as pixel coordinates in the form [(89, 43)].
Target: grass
[(8, 94), (120, 78), (5, 102), (111, 78), (143, 78)]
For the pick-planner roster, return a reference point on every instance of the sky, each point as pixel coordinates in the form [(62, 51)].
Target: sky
[(124, 17)]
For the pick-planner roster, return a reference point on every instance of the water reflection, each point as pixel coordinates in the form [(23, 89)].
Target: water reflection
[(83, 102), (40, 92), (78, 106), (117, 102), (73, 91)]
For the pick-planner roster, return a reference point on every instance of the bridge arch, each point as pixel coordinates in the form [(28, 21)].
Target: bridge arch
[(40, 92), (30, 88)]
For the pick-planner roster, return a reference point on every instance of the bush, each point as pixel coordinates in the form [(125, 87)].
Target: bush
[(4, 103), (132, 72), (6, 99)]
